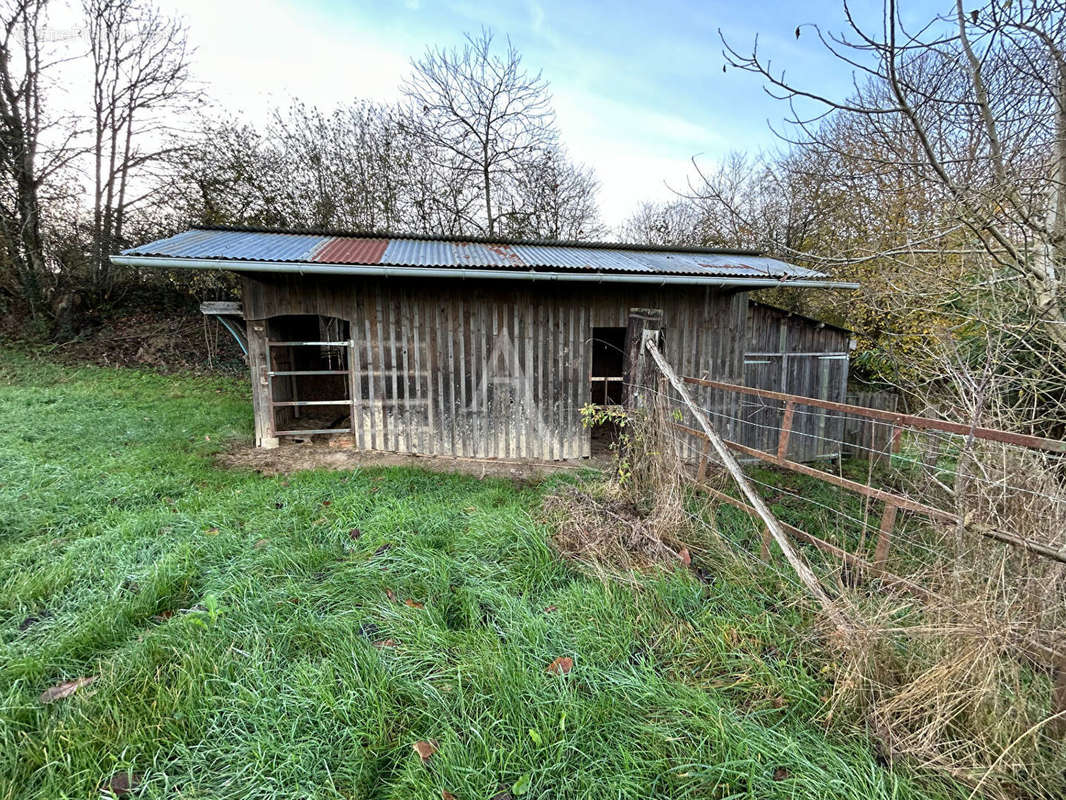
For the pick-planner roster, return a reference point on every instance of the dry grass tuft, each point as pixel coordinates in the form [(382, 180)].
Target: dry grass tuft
[(599, 526), (638, 519), (966, 685)]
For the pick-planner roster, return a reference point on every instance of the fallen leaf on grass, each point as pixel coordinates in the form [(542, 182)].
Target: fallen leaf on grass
[(414, 603), (123, 784), (446, 795), (561, 665), (550, 609), (522, 785), (386, 643), (389, 593), (425, 749), (64, 689), (261, 543)]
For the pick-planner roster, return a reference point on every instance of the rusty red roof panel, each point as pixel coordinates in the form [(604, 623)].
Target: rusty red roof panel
[(346, 250)]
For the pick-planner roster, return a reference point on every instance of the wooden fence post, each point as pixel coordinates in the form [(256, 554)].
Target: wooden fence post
[(1057, 728), (802, 570), (884, 535), (764, 550), (701, 468), (786, 432), (634, 374)]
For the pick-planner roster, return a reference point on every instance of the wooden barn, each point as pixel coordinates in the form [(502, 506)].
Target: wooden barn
[(464, 347), (795, 354)]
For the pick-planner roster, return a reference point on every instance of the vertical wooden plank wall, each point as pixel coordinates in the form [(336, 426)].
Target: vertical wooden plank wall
[(819, 368), (491, 370)]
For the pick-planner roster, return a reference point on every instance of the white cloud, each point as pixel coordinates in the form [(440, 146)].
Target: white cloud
[(257, 54), (639, 154)]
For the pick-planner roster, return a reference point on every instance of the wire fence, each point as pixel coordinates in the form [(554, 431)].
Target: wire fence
[(914, 504)]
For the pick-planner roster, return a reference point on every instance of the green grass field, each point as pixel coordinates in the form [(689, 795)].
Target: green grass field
[(247, 643)]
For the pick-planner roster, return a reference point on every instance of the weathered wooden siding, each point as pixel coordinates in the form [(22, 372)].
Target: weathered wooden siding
[(794, 354), (869, 438), (485, 370)]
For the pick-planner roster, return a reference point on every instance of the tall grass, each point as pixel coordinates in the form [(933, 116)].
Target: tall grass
[(251, 635)]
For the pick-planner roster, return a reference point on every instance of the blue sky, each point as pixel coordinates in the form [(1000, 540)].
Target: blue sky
[(638, 86)]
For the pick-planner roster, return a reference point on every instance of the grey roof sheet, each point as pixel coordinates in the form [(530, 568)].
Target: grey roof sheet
[(314, 248)]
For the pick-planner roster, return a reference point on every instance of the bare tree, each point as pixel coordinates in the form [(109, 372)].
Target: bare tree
[(140, 61), (224, 173), (346, 168), (676, 223), (971, 106), (26, 162), (484, 118), (367, 166), (555, 199)]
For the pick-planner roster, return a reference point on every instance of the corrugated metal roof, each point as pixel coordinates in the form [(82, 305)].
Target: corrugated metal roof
[(313, 248)]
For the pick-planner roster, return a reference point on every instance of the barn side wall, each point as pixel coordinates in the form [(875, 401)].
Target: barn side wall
[(797, 355), (484, 369)]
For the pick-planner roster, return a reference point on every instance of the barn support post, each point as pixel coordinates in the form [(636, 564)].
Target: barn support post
[(635, 375), (259, 366)]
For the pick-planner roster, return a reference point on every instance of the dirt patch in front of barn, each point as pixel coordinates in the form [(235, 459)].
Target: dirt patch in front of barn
[(293, 457)]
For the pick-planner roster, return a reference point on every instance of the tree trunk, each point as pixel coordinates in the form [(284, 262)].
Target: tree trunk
[(488, 190)]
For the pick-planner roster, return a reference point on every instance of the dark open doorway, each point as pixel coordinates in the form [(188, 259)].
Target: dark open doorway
[(608, 358), (309, 374), (605, 389)]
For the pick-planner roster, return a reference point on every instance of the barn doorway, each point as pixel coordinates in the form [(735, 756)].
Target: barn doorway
[(308, 368), (605, 383)]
